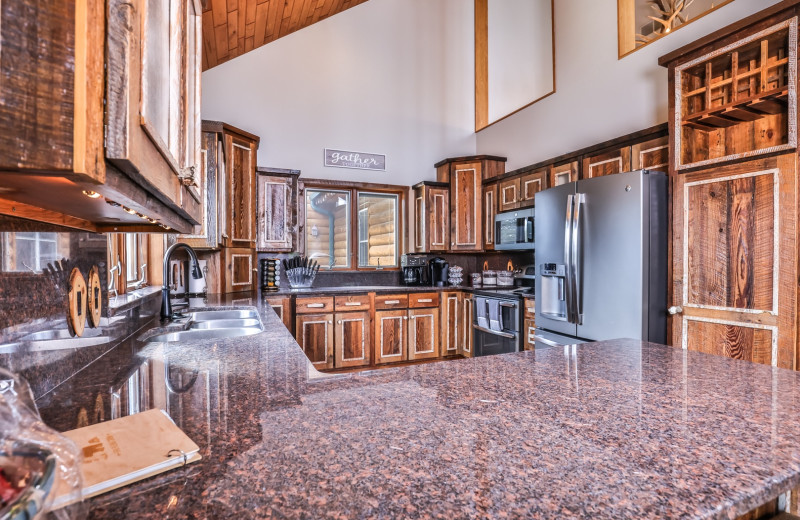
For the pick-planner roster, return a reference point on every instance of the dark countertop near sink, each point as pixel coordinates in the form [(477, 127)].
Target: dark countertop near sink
[(617, 429)]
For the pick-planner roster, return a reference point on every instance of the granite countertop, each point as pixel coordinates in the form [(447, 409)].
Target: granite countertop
[(617, 429), (343, 289)]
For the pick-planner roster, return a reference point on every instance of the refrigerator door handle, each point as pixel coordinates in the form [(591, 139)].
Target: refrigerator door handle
[(575, 270), (568, 255)]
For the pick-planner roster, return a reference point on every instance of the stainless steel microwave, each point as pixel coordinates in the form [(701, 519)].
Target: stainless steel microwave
[(513, 230)]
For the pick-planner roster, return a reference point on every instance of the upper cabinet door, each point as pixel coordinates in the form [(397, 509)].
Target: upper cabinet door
[(607, 163), (508, 193), (153, 94), (241, 193), (206, 235), (529, 185), (277, 212), (465, 207), (651, 155), (489, 212), (563, 174), (431, 217)]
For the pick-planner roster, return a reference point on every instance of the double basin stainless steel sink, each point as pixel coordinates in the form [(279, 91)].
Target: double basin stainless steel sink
[(204, 325)]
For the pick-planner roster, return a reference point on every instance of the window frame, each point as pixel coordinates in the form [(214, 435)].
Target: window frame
[(354, 188), (397, 229), (151, 248)]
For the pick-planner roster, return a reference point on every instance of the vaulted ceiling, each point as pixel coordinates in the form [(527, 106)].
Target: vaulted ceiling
[(234, 27)]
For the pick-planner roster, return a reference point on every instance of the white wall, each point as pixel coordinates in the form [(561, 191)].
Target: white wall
[(598, 97), (387, 76), (520, 41)]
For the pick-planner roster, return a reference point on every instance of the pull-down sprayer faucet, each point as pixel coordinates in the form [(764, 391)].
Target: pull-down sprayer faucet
[(166, 304)]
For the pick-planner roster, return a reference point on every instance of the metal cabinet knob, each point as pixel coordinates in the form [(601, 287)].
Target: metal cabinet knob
[(405, 317), (675, 310)]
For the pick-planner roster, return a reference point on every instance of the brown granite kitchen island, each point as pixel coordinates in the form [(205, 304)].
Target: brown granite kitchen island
[(618, 429)]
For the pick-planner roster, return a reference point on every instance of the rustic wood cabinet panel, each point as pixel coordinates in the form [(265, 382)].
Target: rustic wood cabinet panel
[(391, 336), (735, 260), (467, 333), (352, 344), (355, 302), (419, 300), (241, 156), (528, 331), (315, 335), (391, 301), (563, 174), (508, 194), (465, 207), (277, 210), (651, 155), (451, 323), (489, 212), (607, 163), (240, 269), (529, 185), (314, 304), (283, 308), (423, 333), (207, 234), (431, 217)]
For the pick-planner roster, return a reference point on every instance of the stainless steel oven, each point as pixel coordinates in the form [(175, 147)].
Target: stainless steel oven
[(514, 230), (496, 324)]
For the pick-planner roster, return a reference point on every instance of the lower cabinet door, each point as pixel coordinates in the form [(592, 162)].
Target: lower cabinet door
[(315, 336), (468, 334), (529, 331), (451, 323), (240, 272), (423, 333), (283, 308), (391, 336), (352, 343)]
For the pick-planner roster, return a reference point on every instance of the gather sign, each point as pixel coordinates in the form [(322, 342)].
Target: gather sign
[(359, 160)]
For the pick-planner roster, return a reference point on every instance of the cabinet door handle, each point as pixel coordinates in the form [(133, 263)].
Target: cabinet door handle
[(391, 302), (353, 304), (315, 305), (425, 300)]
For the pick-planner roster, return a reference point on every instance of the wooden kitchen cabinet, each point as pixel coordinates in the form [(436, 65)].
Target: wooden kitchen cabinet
[(530, 184), (607, 163), (282, 305), (105, 95), (208, 234), (735, 203), (315, 335), (467, 332), (240, 215), (276, 195), (563, 174), (451, 326), (489, 212), (529, 323), (465, 176), (431, 217), (352, 341), (651, 155), (423, 333), (508, 194), (391, 336), (240, 272)]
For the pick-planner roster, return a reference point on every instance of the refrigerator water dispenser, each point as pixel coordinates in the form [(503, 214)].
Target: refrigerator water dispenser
[(553, 297)]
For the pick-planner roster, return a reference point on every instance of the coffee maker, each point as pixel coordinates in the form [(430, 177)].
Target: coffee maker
[(415, 270), (439, 269)]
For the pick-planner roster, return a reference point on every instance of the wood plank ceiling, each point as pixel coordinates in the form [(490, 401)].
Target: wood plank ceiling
[(234, 27)]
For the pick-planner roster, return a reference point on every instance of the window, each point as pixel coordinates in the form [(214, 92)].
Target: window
[(377, 230), (134, 260), (374, 221), (31, 251)]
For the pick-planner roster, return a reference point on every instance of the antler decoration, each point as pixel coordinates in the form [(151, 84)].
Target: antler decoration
[(670, 11)]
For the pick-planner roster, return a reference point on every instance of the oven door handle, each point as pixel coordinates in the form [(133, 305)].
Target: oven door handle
[(494, 332)]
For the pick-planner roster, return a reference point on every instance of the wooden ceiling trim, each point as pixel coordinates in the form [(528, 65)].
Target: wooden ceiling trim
[(234, 27)]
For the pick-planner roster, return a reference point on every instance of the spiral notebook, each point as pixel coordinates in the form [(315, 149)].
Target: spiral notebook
[(122, 451)]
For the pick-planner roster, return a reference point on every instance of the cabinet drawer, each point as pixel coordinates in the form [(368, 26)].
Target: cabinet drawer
[(417, 300), (391, 301), (307, 305), (358, 302)]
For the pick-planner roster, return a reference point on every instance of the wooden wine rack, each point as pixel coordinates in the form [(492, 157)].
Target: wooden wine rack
[(735, 102)]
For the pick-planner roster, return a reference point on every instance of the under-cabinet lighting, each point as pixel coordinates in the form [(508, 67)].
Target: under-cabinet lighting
[(112, 203), (129, 210), (91, 194)]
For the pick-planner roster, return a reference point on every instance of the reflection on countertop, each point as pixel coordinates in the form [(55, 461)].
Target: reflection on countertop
[(618, 429)]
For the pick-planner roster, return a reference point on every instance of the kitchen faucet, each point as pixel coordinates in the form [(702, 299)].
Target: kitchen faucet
[(166, 304)]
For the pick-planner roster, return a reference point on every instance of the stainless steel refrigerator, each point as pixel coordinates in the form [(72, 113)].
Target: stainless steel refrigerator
[(601, 254)]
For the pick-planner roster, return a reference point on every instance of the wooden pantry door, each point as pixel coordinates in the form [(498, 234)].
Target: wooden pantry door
[(735, 261)]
